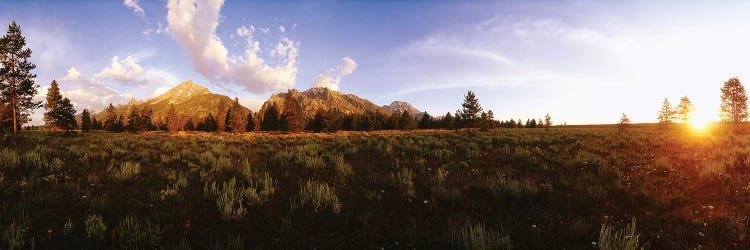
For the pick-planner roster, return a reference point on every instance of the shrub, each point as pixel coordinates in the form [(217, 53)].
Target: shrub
[(478, 237), (230, 200), (95, 227), (404, 179), (134, 234), (259, 193), (318, 197), (15, 236), (343, 169), (68, 227), (612, 239), (127, 170), (8, 159)]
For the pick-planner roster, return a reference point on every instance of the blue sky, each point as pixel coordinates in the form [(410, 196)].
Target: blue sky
[(580, 61)]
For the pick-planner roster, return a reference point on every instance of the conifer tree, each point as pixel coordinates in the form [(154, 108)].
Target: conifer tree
[(109, 123), (294, 116), (86, 123), (271, 121), (733, 101), (236, 118), (172, 120), (52, 104), (221, 115), (686, 109), (145, 119), (189, 126), (65, 115), (624, 122), (17, 87), (426, 121), (134, 120), (447, 121), (667, 113), (470, 110), (250, 122), (547, 121)]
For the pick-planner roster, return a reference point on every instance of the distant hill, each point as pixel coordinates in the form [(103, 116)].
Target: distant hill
[(317, 99), (190, 101), (399, 106)]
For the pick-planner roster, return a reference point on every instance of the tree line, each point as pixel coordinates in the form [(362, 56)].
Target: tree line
[(733, 107)]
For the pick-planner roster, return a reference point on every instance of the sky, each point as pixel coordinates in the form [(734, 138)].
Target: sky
[(583, 62)]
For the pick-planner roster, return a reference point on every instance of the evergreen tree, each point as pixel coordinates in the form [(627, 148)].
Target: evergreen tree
[(65, 115), (54, 98), (17, 87), (470, 110), (448, 121), (237, 120), (145, 120), (426, 121), (733, 101), (406, 121), (221, 115), (134, 120), (119, 124), (294, 116), (667, 113), (109, 123), (86, 124), (250, 122), (172, 120), (189, 126), (271, 121), (547, 121), (210, 123), (685, 109)]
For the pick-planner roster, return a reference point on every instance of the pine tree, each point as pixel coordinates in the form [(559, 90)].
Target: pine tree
[(271, 121), (66, 115), (685, 109), (447, 121), (189, 126), (17, 87), (733, 101), (52, 105), (134, 120), (250, 122), (237, 120), (426, 121), (172, 120), (109, 123), (86, 121), (146, 122), (667, 113), (294, 116), (221, 114), (547, 121), (470, 110)]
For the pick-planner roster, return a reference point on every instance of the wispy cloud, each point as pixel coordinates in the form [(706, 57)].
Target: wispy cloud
[(133, 4)]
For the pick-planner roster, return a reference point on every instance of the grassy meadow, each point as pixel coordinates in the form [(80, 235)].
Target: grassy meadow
[(566, 188)]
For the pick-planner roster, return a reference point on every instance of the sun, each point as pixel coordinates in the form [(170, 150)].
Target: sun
[(699, 124)]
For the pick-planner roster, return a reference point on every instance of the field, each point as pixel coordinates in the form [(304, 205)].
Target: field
[(502, 189)]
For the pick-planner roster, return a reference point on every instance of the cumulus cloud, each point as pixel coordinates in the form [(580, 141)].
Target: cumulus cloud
[(129, 71), (193, 26), (85, 91), (331, 78), (282, 29), (135, 6), (73, 74)]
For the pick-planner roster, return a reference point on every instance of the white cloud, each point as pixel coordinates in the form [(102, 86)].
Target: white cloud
[(193, 25), (135, 6), (129, 71), (331, 78), (160, 90), (73, 74), (282, 29)]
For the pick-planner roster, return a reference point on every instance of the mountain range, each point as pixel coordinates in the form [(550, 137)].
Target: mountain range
[(193, 101)]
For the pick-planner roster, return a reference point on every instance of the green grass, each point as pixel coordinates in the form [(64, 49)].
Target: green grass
[(519, 188)]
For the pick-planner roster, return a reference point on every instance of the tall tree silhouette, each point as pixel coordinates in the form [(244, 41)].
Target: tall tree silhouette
[(293, 114), (17, 87), (624, 122), (172, 120), (666, 113), (236, 118), (270, 119), (685, 110), (52, 105), (733, 101), (470, 110), (111, 119), (86, 123), (221, 117)]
